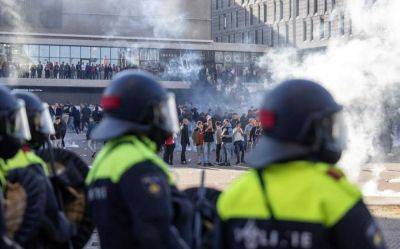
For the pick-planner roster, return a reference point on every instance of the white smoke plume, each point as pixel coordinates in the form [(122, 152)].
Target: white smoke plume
[(155, 18), (358, 71)]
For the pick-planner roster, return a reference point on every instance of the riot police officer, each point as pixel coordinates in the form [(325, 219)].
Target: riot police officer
[(132, 196), (14, 131), (294, 196), (54, 226)]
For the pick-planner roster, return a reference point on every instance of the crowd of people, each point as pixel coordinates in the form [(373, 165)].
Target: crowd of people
[(76, 118), (217, 137), (219, 76), (50, 70), (225, 133)]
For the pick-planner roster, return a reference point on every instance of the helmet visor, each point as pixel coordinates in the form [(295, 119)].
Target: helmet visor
[(46, 123), (21, 126), (168, 115)]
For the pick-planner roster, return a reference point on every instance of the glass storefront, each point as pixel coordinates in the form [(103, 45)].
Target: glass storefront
[(168, 64)]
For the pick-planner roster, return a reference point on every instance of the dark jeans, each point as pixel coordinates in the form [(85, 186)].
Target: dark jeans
[(183, 153), (84, 123), (169, 153), (239, 151), (218, 153), (77, 126), (62, 140)]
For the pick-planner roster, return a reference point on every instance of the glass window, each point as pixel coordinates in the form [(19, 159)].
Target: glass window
[(55, 59), (34, 60), (54, 51), (219, 57), (95, 52), (245, 17), (329, 28), (114, 62), (341, 24), (45, 60), (24, 51), (286, 33), (64, 51), (85, 52), (114, 53), (148, 54), (265, 12), (312, 30), (105, 53), (278, 35), (225, 22), (33, 50), (321, 29), (228, 57), (271, 38), (315, 6), (75, 61), (44, 51), (42, 59), (75, 52), (65, 60), (237, 19), (251, 16)]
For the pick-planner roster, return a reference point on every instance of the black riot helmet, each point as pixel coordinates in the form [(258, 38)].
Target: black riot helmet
[(135, 103), (14, 128), (300, 120), (39, 119)]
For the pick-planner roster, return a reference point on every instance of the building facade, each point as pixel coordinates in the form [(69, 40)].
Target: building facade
[(276, 23), (169, 38), (174, 19)]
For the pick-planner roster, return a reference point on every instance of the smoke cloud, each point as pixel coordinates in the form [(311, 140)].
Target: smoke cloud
[(360, 72)]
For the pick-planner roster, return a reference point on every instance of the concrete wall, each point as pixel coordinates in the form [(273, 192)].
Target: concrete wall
[(79, 95), (77, 83), (183, 19)]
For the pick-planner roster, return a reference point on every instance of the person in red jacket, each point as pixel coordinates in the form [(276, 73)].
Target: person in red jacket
[(169, 147)]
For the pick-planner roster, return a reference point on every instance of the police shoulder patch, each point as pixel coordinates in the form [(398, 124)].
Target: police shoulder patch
[(153, 185)]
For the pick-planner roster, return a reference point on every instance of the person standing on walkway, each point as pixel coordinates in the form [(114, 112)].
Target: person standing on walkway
[(238, 143), (198, 140), (184, 139), (208, 141)]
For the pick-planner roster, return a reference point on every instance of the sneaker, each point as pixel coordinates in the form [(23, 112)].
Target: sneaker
[(183, 162), (237, 163), (210, 164), (228, 164)]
